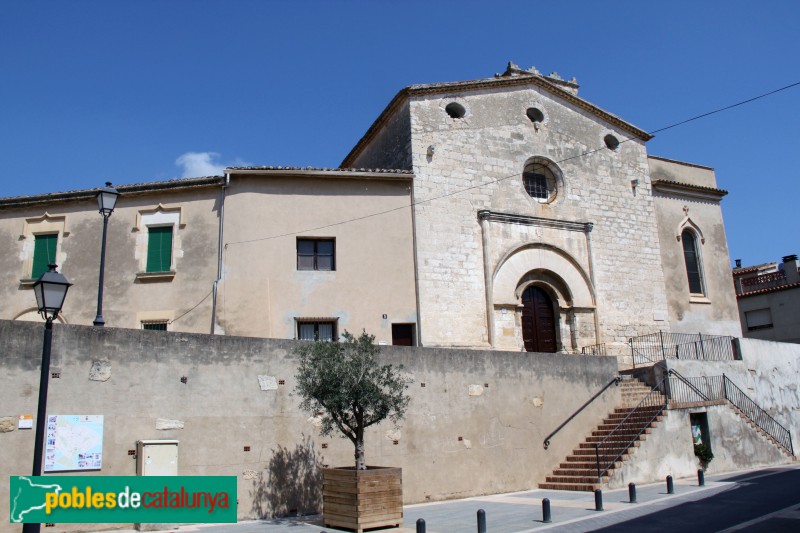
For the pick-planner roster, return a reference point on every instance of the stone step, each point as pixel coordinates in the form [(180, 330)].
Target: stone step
[(575, 479), (627, 429), (604, 453), (585, 487), (580, 472), (611, 444), (615, 438), (582, 463)]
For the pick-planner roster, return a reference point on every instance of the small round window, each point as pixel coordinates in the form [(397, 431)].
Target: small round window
[(455, 110), (612, 143), (539, 182), (535, 115)]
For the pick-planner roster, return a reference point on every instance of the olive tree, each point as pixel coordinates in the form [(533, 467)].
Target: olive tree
[(344, 382)]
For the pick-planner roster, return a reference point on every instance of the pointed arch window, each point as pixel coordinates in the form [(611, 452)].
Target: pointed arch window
[(691, 256)]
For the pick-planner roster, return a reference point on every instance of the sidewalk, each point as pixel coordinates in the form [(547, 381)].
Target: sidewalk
[(518, 512)]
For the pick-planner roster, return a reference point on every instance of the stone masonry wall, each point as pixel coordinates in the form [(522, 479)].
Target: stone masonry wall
[(475, 425), (391, 146), (478, 163)]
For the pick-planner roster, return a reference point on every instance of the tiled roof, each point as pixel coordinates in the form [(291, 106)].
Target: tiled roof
[(770, 289), (689, 186), (323, 169), (83, 194)]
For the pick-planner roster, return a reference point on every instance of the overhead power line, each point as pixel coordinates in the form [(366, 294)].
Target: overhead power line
[(515, 175)]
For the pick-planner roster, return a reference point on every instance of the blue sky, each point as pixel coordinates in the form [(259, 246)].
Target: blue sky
[(151, 90)]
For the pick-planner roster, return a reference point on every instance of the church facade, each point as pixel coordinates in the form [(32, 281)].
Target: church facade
[(505, 213)]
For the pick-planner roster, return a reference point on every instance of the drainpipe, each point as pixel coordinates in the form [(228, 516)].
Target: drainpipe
[(488, 282), (413, 207), (588, 232), (219, 251)]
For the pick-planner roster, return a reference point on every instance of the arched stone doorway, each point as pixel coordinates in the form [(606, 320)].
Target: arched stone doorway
[(538, 321), (565, 289)]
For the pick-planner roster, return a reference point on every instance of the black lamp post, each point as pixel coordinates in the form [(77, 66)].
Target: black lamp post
[(50, 290), (106, 200)]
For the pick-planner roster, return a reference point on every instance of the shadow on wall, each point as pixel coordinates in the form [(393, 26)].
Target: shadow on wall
[(293, 484)]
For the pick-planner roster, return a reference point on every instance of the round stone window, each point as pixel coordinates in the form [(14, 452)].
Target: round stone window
[(612, 143), (540, 182), (535, 115), (455, 110)]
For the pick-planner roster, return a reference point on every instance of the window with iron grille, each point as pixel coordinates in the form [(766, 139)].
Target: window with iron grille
[(155, 326), (316, 330), (539, 182), (316, 254)]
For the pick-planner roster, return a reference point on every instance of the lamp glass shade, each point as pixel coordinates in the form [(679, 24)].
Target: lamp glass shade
[(107, 199), (51, 290)]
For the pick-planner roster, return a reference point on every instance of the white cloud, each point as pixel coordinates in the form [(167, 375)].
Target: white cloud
[(197, 164)]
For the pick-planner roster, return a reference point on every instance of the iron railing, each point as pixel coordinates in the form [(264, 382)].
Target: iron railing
[(690, 390), (594, 349), (616, 443), (710, 388), (757, 415), (651, 348), (614, 381)]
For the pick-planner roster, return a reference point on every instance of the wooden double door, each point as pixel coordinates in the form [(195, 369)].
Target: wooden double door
[(538, 321)]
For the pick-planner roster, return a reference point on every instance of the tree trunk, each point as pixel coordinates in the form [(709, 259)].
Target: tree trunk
[(361, 463)]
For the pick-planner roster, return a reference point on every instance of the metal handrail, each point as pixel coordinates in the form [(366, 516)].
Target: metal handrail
[(772, 427), (647, 349), (673, 372), (614, 381), (660, 408)]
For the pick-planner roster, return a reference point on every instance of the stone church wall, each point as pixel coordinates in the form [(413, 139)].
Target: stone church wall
[(477, 164)]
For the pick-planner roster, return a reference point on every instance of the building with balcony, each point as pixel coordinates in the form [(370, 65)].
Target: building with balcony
[(768, 296)]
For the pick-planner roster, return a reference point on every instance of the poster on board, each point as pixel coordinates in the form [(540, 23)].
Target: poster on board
[(73, 442)]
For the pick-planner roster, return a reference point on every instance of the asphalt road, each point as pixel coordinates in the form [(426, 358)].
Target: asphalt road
[(762, 501)]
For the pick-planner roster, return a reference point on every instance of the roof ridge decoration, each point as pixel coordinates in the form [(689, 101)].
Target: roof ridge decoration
[(565, 90)]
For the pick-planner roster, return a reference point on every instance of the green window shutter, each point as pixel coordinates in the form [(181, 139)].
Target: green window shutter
[(44, 253), (159, 249)]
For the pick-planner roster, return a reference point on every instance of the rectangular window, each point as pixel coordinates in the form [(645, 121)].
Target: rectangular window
[(758, 319), (159, 249), (155, 326), (44, 253), (323, 330), (316, 254), (403, 334)]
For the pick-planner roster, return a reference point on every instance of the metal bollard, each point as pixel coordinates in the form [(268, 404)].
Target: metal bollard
[(701, 477), (632, 492), (670, 487), (546, 511), (598, 500), (481, 521), (420, 525)]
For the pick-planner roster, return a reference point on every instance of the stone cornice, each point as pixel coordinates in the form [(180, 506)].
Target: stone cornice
[(525, 220), (488, 83), (688, 190)]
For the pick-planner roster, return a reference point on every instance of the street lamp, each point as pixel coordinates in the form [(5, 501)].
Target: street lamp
[(50, 290), (106, 200)]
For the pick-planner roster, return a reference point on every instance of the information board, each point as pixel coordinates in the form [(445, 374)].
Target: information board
[(73, 442)]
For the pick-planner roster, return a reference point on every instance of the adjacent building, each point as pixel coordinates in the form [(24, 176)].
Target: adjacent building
[(505, 213), (769, 299)]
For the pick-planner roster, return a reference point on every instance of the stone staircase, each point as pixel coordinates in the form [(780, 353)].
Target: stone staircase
[(579, 470), (747, 420)]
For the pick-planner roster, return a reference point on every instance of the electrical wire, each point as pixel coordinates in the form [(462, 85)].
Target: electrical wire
[(515, 175)]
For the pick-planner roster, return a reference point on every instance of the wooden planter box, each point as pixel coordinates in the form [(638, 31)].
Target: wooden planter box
[(362, 499)]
